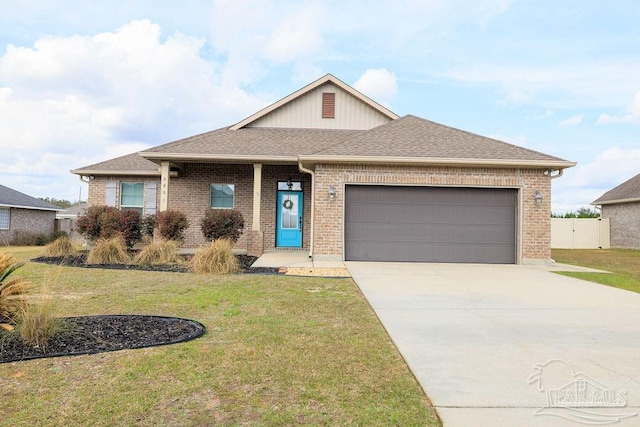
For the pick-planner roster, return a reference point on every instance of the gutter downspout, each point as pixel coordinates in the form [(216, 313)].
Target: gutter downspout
[(313, 202), (550, 172)]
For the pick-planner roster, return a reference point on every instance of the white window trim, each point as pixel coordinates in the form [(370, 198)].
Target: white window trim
[(8, 210), (126, 207), (234, 195)]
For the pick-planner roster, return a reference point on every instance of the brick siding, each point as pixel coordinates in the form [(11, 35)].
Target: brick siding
[(189, 193), (624, 224), (535, 234), (32, 220)]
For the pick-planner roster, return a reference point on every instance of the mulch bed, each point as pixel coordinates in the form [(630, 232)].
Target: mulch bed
[(96, 334), (80, 261)]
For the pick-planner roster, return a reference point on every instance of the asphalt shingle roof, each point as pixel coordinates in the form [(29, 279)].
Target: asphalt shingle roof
[(280, 142), (627, 190), (406, 137), (130, 162), (412, 136), (12, 198)]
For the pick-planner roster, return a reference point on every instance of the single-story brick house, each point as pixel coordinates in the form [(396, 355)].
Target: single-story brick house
[(20, 212), (622, 206), (329, 170)]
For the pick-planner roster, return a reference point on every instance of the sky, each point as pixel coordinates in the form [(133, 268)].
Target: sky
[(83, 81)]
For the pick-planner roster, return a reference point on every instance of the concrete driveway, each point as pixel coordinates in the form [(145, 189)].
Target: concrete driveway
[(511, 345)]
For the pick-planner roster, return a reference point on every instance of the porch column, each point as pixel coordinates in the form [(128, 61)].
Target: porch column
[(164, 186), (255, 236), (257, 195)]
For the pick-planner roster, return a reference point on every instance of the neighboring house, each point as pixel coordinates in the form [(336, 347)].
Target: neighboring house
[(66, 219), (20, 212), (331, 171), (622, 206)]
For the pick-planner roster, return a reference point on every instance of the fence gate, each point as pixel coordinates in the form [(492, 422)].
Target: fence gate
[(580, 233)]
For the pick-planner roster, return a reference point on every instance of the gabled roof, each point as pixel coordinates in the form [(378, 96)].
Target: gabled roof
[(10, 198), (627, 192), (131, 164), (250, 144), (412, 139), (329, 78), (409, 139)]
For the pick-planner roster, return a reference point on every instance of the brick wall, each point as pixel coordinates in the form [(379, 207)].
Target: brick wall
[(31, 220), (535, 231), (190, 193), (624, 224), (98, 188)]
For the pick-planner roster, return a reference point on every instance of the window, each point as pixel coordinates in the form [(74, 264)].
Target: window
[(222, 196), (132, 196), (5, 219), (289, 185), (328, 105)]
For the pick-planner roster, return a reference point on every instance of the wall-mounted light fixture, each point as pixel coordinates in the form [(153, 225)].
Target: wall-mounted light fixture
[(537, 196), (332, 192)]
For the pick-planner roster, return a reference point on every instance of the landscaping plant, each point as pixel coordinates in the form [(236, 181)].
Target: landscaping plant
[(217, 258), (222, 224), (37, 323), (61, 247), (104, 222), (12, 291), (158, 252), (109, 251), (171, 224)]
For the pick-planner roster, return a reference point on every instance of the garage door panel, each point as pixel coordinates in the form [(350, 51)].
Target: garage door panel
[(431, 224), (399, 233)]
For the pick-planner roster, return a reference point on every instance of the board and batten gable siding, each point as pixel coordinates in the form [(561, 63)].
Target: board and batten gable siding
[(306, 112)]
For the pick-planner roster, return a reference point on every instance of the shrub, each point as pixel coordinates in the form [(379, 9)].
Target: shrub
[(217, 258), (104, 222), (29, 238), (222, 224), (158, 252), (171, 224), (148, 223), (12, 291), (130, 227), (38, 323), (60, 247), (109, 251)]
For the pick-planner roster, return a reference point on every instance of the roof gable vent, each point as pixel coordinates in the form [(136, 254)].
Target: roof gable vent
[(328, 105)]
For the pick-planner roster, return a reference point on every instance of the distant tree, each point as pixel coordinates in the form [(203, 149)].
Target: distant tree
[(580, 213), (61, 203)]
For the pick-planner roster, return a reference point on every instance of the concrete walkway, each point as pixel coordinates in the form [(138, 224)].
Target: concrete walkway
[(511, 345), (292, 258)]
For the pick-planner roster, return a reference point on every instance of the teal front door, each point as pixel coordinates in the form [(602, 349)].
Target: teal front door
[(289, 219)]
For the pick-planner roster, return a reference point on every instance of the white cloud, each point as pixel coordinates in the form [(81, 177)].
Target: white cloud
[(584, 183), (379, 84), (631, 117), (68, 102), (572, 121)]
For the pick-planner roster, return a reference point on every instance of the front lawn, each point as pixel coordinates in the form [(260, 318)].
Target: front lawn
[(623, 264), (279, 350)]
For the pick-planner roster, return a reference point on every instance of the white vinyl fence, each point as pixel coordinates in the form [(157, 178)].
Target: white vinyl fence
[(580, 233)]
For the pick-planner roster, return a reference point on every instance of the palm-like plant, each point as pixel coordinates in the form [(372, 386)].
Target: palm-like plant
[(12, 291)]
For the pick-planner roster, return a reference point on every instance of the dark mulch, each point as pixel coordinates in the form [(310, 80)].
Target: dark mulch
[(96, 334), (79, 261)]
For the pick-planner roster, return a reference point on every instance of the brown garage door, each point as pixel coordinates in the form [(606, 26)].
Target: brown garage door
[(430, 224)]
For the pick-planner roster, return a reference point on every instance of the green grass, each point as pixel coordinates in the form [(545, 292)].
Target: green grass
[(278, 351), (622, 264)]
